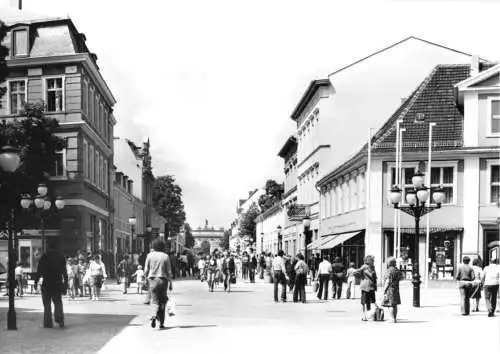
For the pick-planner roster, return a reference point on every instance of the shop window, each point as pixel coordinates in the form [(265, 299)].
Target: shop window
[(17, 96), (25, 256), (494, 183), (54, 94)]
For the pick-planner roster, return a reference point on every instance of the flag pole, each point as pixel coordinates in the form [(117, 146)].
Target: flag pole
[(427, 236)]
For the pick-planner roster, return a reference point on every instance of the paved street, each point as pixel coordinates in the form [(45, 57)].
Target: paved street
[(246, 320)]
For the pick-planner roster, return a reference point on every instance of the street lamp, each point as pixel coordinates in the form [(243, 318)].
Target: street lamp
[(132, 221), (306, 222), (416, 198), (42, 205), (280, 238), (9, 162), (261, 242)]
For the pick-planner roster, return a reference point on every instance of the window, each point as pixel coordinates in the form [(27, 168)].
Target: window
[(91, 163), (407, 174), (90, 113), (106, 175), (443, 176), (96, 110), (85, 97), (59, 168), (17, 91), (85, 158), (494, 183), (101, 172), (494, 116), (96, 168), (54, 94), (20, 42)]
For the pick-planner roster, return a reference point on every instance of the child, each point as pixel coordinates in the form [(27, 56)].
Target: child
[(139, 276), (351, 280), (19, 279)]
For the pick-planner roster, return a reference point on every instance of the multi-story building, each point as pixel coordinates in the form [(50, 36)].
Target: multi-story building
[(269, 229), (292, 237), (333, 118), (461, 100), (49, 61)]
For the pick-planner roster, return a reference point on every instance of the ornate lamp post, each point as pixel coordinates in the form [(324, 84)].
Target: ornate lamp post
[(306, 221), (261, 242), (42, 206), (417, 207), (9, 163), (132, 221), (280, 238)]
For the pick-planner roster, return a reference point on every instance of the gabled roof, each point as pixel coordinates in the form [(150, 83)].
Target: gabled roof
[(432, 101), (476, 79), (290, 144), (307, 95), (396, 44)]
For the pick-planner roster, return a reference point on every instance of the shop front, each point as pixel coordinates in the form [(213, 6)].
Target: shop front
[(349, 246)]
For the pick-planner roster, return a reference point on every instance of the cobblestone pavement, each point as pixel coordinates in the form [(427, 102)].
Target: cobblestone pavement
[(247, 320)]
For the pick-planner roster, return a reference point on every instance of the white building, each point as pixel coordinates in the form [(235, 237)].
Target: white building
[(242, 241)]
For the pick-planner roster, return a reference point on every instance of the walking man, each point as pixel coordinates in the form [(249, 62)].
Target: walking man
[(158, 271), (124, 273), (52, 268), (491, 281), (280, 276), (465, 276), (252, 266), (324, 271)]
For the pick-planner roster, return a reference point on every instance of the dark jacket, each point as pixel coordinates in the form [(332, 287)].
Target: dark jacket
[(52, 268)]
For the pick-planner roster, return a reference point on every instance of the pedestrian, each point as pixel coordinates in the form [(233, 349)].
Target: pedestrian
[(269, 265), (392, 297), (228, 270), (262, 265), (95, 274), (323, 276), (19, 274), (315, 265), (244, 264), (351, 280), (52, 268), (123, 271), (465, 276), (158, 271), (72, 275), (368, 284), (139, 278), (279, 276), (301, 270), (477, 286), (252, 266), (82, 269), (337, 277), (201, 269), (290, 263), (491, 281), (211, 266)]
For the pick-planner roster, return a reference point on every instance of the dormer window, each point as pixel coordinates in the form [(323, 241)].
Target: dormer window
[(20, 42)]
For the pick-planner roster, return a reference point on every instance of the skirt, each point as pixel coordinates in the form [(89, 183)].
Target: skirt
[(367, 297)]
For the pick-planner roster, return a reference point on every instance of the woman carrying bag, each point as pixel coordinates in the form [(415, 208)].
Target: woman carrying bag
[(392, 297)]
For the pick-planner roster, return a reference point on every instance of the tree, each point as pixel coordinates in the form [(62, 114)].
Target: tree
[(4, 51), (167, 199), (247, 224), (225, 242), (274, 192), (189, 243)]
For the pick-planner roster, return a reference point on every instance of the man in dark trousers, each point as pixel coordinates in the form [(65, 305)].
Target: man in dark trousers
[(252, 266), (52, 268)]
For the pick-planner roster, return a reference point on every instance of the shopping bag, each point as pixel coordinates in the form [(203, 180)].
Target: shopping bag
[(171, 307), (378, 315)]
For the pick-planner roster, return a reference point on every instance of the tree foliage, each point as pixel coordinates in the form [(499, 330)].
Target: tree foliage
[(247, 223), (4, 51), (189, 239), (167, 199), (274, 192)]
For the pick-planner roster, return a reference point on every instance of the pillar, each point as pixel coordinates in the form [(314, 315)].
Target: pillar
[(471, 206)]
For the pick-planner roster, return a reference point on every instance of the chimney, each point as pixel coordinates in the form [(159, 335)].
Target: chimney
[(474, 66), (403, 99)]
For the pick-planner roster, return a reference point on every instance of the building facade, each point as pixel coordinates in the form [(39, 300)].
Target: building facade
[(269, 229), (49, 61)]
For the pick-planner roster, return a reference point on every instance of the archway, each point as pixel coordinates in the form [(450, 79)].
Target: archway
[(205, 247)]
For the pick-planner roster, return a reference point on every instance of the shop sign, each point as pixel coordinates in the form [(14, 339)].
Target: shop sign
[(440, 256)]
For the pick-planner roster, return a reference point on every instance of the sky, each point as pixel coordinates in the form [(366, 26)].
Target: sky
[(212, 84)]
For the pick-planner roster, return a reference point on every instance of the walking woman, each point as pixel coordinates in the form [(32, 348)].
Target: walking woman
[(477, 285), (368, 285), (301, 270), (228, 269), (96, 277), (391, 288), (211, 269)]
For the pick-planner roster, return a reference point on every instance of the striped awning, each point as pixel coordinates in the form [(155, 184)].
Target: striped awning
[(320, 241), (336, 240)]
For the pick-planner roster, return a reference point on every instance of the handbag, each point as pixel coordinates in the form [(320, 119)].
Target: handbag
[(233, 279), (171, 307), (378, 315)]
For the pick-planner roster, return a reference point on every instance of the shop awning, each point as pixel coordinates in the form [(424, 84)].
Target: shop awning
[(336, 240), (320, 241)]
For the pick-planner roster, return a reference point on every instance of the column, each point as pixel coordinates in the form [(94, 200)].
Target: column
[(471, 205), (374, 235)]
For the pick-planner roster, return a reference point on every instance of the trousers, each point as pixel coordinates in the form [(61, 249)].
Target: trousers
[(299, 291), (51, 295), (279, 278), (323, 284), (490, 296), (465, 293)]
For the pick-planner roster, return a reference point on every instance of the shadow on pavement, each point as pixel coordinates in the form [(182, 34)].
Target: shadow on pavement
[(97, 329), (402, 320), (188, 326)]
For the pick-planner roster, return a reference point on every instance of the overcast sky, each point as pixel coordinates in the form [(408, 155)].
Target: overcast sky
[(213, 83)]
